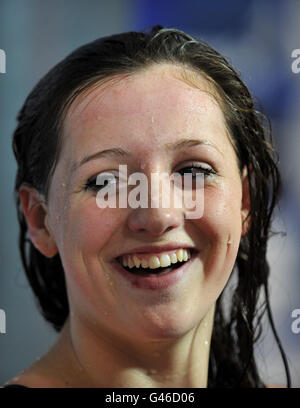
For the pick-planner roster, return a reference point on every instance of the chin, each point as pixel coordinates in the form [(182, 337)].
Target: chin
[(169, 325)]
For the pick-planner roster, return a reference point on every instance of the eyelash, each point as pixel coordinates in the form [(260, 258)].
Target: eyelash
[(90, 184), (207, 171)]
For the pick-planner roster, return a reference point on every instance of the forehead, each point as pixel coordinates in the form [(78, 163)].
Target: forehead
[(174, 97)]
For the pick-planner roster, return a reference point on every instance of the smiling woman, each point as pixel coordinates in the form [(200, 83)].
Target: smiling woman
[(137, 292)]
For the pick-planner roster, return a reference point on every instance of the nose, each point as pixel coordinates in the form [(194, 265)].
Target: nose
[(159, 216), (155, 221)]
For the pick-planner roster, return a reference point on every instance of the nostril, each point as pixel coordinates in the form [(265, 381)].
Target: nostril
[(154, 220)]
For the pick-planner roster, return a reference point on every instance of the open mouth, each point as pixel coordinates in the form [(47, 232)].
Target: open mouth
[(162, 270)]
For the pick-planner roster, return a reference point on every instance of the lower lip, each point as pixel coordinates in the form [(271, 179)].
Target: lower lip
[(155, 282)]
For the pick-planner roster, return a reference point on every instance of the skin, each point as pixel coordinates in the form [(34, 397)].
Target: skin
[(117, 335)]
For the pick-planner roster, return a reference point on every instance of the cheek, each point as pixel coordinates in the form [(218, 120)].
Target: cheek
[(221, 222), (91, 227), (87, 233), (222, 211)]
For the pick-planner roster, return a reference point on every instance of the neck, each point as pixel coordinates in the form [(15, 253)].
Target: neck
[(102, 362)]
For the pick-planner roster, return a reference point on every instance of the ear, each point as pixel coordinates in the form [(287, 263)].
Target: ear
[(246, 204), (36, 215)]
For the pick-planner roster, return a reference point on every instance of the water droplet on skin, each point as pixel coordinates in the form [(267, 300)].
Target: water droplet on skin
[(206, 342), (152, 119), (109, 280)]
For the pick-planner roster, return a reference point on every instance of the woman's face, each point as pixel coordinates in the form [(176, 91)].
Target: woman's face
[(142, 114)]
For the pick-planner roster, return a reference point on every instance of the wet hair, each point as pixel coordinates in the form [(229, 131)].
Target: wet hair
[(37, 144)]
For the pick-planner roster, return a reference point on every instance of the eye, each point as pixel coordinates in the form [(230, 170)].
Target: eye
[(196, 169), (97, 182)]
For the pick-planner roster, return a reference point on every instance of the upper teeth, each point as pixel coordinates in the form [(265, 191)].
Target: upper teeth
[(155, 261)]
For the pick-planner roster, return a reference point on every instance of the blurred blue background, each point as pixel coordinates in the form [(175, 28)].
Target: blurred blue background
[(257, 36)]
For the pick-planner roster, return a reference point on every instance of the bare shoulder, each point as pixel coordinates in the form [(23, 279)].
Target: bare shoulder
[(55, 369), (40, 374), (34, 379)]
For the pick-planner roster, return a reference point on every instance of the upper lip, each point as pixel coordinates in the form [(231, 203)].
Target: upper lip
[(156, 248)]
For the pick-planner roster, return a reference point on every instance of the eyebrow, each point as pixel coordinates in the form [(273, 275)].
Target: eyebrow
[(118, 152)]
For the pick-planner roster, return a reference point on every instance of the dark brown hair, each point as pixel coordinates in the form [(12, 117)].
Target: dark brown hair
[(37, 142)]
